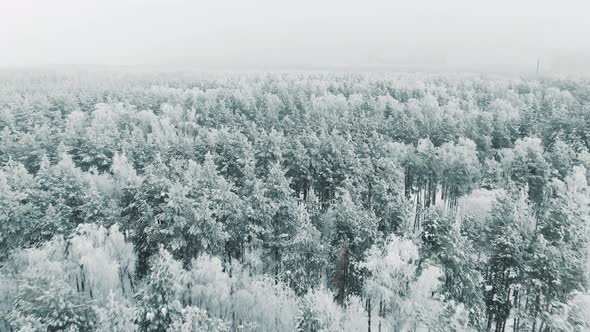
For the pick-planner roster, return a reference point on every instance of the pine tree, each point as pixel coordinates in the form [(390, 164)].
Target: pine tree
[(351, 231), (304, 258), (142, 205), (157, 305), (188, 226), (511, 229)]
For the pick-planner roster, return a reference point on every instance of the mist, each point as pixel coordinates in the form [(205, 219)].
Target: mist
[(422, 35)]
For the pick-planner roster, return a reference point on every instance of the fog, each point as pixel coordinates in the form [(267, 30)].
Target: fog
[(424, 35)]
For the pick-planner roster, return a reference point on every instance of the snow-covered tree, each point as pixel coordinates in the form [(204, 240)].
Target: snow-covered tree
[(158, 308)]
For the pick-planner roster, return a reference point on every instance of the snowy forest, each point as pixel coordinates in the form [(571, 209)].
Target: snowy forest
[(293, 201)]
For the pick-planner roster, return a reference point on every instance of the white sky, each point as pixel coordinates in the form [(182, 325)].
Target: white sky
[(435, 34)]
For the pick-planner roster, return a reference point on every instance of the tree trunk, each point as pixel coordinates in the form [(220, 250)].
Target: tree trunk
[(516, 305), (490, 320), (341, 272), (407, 183), (536, 311), (369, 314), (434, 190), (380, 313), (418, 210)]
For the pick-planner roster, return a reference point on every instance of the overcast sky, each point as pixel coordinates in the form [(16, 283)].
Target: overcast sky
[(422, 34)]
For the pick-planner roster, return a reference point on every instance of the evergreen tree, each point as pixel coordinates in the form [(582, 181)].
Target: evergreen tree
[(351, 231), (157, 305), (304, 259)]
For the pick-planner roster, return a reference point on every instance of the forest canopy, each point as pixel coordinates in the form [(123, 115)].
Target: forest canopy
[(313, 201)]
